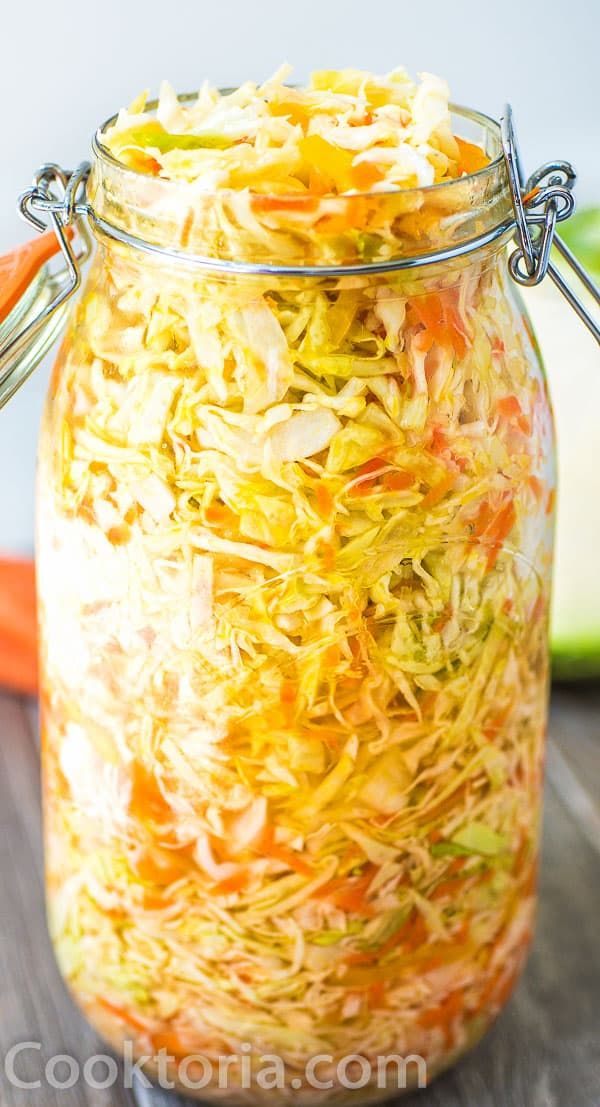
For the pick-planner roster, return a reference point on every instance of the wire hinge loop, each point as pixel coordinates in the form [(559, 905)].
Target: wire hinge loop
[(539, 204)]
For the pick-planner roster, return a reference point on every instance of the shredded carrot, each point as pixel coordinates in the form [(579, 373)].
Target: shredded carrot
[(437, 492), (290, 858), (440, 315), (288, 692), (415, 932), (302, 202), (536, 487), (424, 340), (329, 737), (120, 535), (530, 195), (439, 439), (328, 554), (161, 867), (352, 215), (121, 1013), (447, 887), (143, 163), (501, 983), (376, 994), (234, 883), (510, 408), (365, 175), (324, 498), (171, 1042), (461, 462), (499, 530), (496, 722), (502, 522), (270, 848), (147, 800), (444, 1015), (297, 113), (472, 157), (373, 465), (152, 901), (410, 935), (494, 525), (221, 514), (483, 518), (442, 619), (397, 481), (287, 698), (349, 893), (463, 933)]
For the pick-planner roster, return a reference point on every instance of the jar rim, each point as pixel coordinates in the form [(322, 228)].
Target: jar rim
[(350, 233)]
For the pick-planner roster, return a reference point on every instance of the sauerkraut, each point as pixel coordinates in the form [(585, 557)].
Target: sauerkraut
[(293, 563), (347, 132)]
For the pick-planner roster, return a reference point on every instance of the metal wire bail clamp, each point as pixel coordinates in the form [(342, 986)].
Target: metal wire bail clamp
[(54, 201), (539, 203)]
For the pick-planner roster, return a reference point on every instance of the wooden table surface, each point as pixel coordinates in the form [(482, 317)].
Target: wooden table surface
[(544, 1051)]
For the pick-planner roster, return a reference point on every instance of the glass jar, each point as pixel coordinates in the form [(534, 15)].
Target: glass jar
[(294, 556)]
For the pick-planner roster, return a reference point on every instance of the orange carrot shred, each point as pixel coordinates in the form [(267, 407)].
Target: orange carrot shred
[(234, 883), (472, 157), (121, 1013), (437, 492), (397, 481), (324, 499)]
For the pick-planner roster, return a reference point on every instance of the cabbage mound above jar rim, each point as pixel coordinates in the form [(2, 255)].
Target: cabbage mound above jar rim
[(346, 132)]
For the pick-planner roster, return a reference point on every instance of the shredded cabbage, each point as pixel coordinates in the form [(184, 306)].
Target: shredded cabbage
[(345, 132), (293, 567)]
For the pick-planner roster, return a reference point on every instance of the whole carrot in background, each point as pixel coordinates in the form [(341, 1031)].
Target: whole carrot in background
[(18, 626)]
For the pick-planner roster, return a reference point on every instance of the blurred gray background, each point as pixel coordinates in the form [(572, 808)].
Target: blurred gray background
[(66, 67)]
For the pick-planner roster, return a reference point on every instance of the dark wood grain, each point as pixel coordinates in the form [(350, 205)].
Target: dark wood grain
[(574, 755), (544, 1051)]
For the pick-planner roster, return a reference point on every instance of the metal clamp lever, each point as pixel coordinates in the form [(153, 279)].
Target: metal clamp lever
[(54, 200), (539, 203)]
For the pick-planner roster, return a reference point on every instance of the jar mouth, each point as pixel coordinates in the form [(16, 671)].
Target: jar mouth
[(489, 130), (353, 232)]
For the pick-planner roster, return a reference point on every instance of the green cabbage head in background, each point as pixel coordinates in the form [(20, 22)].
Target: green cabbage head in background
[(572, 360)]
